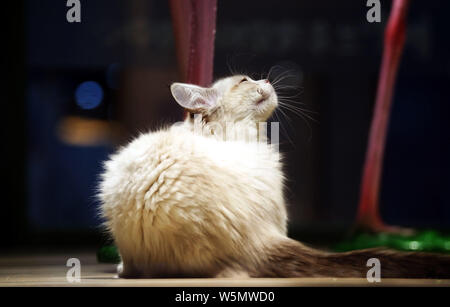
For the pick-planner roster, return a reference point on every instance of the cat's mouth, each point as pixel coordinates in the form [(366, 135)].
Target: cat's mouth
[(260, 101), (264, 97)]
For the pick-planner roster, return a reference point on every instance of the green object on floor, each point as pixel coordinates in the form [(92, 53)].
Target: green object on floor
[(427, 240), (108, 254)]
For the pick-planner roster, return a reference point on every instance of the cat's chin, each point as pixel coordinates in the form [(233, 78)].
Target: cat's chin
[(265, 109)]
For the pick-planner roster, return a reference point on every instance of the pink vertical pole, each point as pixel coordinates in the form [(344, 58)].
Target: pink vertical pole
[(368, 216), (194, 24)]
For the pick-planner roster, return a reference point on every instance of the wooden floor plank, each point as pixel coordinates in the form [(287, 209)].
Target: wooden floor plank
[(50, 270)]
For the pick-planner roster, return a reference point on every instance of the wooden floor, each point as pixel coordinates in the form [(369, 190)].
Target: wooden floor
[(51, 270)]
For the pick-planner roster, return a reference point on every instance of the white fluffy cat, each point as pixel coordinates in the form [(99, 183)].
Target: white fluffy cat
[(202, 199), (186, 202)]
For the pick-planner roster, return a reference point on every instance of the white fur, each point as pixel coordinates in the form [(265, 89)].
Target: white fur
[(180, 202)]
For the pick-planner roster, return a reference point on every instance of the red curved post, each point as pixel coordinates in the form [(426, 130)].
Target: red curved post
[(368, 211), (194, 24)]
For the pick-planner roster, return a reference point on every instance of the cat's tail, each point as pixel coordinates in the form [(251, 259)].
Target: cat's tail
[(289, 258)]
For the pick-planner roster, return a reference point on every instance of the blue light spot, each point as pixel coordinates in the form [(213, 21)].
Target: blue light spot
[(89, 95)]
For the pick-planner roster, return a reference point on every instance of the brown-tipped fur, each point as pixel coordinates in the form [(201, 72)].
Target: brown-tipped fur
[(289, 258)]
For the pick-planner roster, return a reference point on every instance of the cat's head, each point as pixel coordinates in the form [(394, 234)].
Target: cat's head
[(233, 99)]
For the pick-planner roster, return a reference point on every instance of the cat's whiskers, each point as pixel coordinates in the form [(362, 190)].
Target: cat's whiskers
[(282, 77), (286, 72), (292, 99), (296, 105), (289, 102), (304, 116), (298, 111), (270, 70), (282, 126)]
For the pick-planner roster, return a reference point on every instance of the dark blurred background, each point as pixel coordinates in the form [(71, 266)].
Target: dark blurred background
[(73, 92)]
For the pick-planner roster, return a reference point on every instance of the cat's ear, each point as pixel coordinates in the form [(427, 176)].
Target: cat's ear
[(194, 98)]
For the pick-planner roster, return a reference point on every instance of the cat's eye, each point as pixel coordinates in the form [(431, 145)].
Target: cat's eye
[(243, 80)]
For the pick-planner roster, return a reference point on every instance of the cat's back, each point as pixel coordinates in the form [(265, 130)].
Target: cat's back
[(151, 153), (175, 186)]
